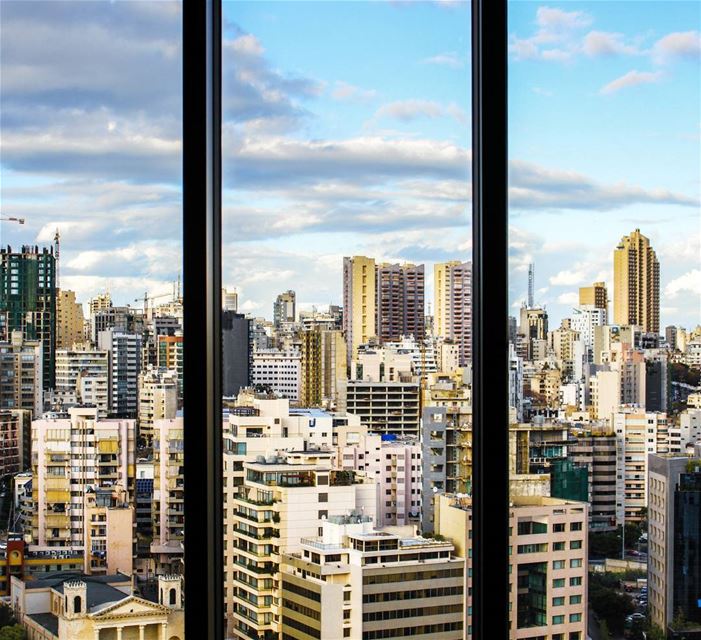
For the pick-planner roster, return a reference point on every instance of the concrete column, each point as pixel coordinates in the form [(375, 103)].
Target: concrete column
[(164, 631), (142, 631), (119, 633), (97, 633)]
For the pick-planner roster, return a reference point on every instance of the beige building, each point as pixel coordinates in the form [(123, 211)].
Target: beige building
[(594, 296), (385, 407), (353, 581), (98, 608), (168, 511), (452, 305), (358, 302), (158, 399), (282, 500), (563, 343), (548, 554), (72, 457), (636, 283), (69, 320), (82, 373)]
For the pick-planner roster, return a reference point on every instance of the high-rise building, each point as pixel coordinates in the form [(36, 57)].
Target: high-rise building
[(72, 457), (358, 581), (168, 510), (399, 301), (637, 434), (158, 399), (386, 407), (100, 302), (124, 319), (674, 537), (636, 283), (670, 336), (170, 357), (285, 308), (82, 377), (236, 353), (359, 299), (21, 377), (69, 320), (28, 301), (452, 297), (124, 351), (594, 296)]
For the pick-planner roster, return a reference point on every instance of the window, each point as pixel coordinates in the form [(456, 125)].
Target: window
[(558, 583), (558, 564), (558, 619), (558, 601), (576, 581), (575, 563)]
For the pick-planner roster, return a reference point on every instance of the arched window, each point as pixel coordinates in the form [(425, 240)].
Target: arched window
[(172, 596), (76, 604)]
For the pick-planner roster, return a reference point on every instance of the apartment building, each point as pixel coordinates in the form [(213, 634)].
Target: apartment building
[(638, 434), (452, 309), (15, 440), (594, 295), (399, 303), (359, 300), (168, 510), (73, 455), (385, 407), (21, 374), (548, 553), (283, 499), (278, 370), (124, 350), (598, 452), (356, 581), (69, 320), (82, 373), (158, 399)]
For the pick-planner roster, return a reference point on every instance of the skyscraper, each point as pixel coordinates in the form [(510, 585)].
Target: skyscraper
[(358, 302), (453, 305), (236, 349), (28, 300), (399, 301), (636, 283)]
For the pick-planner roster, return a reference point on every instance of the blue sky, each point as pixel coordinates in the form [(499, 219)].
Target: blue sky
[(347, 130)]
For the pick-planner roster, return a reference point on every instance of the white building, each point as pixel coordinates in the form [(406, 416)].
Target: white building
[(279, 370), (85, 373)]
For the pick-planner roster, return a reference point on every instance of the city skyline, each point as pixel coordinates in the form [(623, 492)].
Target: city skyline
[(346, 155)]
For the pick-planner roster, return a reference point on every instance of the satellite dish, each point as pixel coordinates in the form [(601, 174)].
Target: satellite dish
[(435, 489)]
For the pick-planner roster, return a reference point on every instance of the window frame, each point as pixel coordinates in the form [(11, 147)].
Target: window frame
[(204, 560)]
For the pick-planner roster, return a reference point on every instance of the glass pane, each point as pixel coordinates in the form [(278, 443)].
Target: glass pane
[(605, 266), (347, 318), (91, 329)]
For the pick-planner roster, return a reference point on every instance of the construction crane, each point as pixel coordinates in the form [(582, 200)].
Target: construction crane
[(146, 298)]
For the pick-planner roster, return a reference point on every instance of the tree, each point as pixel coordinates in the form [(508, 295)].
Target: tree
[(655, 633), (604, 632), (15, 632), (7, 616)]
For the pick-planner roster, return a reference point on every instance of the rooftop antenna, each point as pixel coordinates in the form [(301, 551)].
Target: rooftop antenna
[(531, 284)]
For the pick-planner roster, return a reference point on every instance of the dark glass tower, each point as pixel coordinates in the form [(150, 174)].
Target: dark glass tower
[(28, 301)]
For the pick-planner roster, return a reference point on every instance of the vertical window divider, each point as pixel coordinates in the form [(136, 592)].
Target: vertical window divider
[(204, 560), (490, 395)]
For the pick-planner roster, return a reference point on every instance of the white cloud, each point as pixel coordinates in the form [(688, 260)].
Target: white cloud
[(602, 43), (248, 44), (343, 91), (408, 110), (631, 79), (690, 282), (686, 44), (450, 59), (567, 278), (558, 19), (570, 298)]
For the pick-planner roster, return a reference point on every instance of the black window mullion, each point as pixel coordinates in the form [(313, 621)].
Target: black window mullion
[(204, 560), (490, 394)]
